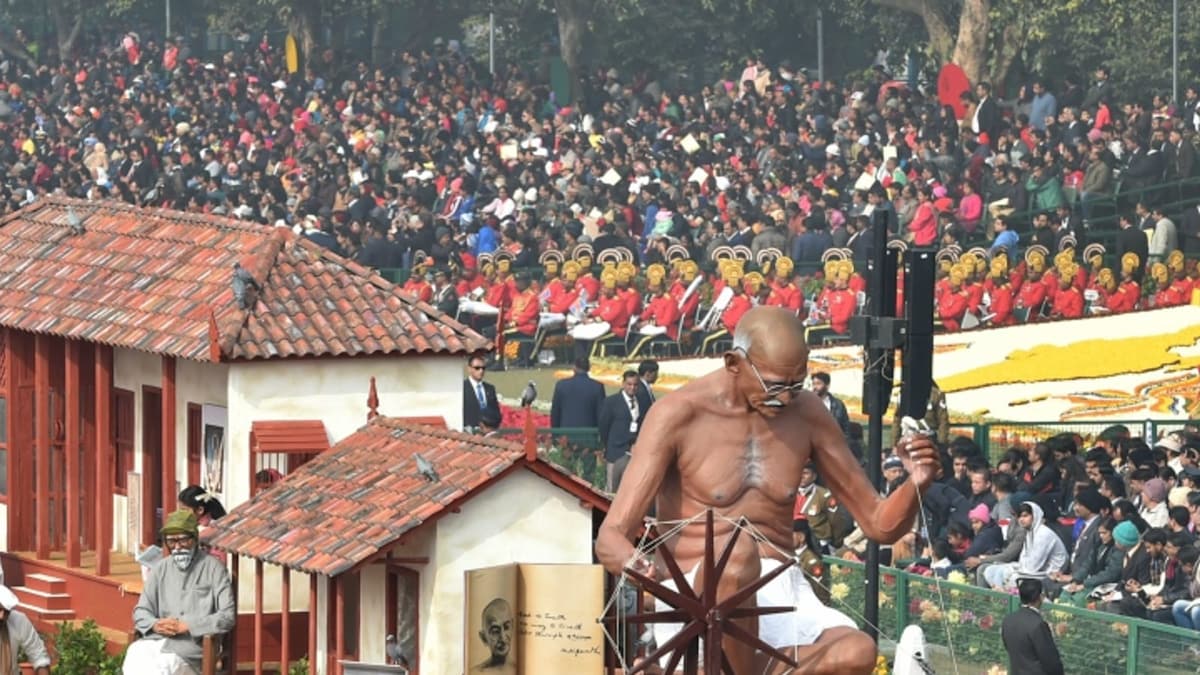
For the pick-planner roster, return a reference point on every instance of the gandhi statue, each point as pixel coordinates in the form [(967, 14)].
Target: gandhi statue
[(736, 441)]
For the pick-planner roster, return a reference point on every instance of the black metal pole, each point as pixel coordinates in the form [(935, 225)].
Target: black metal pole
[(881, 286)]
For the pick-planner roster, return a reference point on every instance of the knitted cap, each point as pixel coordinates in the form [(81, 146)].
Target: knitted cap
[(980, 513), (1125, 534)]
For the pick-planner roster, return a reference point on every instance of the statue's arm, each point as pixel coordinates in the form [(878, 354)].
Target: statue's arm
[(883, 520), (648, 463)]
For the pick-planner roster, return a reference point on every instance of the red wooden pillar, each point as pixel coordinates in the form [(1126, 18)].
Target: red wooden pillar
[(312, 624), (339, 608), (71, 450), (170, 496), (285, 611), (41, 396), (104, 457), (234, 573), (258, 617)]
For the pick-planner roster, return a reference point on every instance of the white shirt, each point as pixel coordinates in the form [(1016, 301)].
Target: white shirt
[(975, 116)]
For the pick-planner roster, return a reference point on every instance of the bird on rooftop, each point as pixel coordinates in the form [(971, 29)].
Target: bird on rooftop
[(425, 468), (243, 283), (74, 221), (528, 394)]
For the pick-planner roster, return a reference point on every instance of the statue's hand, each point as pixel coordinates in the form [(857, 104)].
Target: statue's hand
[(921, 459), (641, 564)]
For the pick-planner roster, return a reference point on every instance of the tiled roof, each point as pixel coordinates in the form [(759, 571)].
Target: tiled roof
[(161, 281), (304, 437), (363, 494)]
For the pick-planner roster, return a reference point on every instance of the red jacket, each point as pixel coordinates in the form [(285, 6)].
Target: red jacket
[(615, 311), (1002, 306), (951, 309), (664, 311), (1031, 296), (1068, 304), (590, 284), (842, 303), (738, 306), (1125, 298), (923, 225), (524, 312), (561, 302), (633, 300), (420, 288)]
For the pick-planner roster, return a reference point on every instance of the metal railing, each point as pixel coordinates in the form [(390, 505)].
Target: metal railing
[(962, 624), (995, 438)]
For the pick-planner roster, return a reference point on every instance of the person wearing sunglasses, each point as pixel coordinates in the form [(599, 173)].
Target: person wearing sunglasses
[(481, 409), (736, 441)]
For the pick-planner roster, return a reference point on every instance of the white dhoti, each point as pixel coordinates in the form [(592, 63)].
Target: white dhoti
[(590, 331), (551, 320), (146, 657), (478, 307), (651, 331), (791, 588)]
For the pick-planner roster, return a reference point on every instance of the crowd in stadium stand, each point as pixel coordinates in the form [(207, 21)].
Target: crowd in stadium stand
[(1112, 527), (526, 217)]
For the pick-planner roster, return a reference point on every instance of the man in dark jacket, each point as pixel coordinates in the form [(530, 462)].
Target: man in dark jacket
[(1132, 240), (820, 387), (577, 399), (1027, 636), (620, 418)]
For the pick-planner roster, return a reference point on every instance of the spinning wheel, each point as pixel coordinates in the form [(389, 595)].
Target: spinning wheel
[(705, 619)]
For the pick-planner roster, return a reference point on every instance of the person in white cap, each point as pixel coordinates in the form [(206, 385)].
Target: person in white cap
[(186, 597), (17, 635)]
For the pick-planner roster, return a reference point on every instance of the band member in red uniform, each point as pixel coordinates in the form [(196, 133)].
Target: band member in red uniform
[(737, 306), (626, 271), (587, 281), (1164, 295), (952, 306), (1032, 295), (1068, 302), (1001, 294), (1129, 292), (416, 284), (688, 271), (788, 293), (843, 301), (1181, 285), (662, 312), (609, 319)]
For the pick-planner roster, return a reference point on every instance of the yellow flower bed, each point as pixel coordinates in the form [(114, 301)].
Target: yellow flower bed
[(1085, 359)]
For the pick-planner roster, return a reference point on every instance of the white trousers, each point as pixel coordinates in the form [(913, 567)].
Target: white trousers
[(477, 307), (146, 657), (590, 331)]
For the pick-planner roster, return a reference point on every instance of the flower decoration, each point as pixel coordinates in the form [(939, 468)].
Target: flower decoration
[(839, 591)]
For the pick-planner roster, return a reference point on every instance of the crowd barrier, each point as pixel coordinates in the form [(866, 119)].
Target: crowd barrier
[(962, 625), (995, 438)]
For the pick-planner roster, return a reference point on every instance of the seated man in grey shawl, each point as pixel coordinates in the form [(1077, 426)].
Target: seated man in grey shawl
[(187, 595)]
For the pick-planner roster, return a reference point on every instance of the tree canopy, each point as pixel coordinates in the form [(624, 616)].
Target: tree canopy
[(1002, 41)]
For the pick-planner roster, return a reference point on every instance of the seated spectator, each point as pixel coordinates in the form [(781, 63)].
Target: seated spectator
[(1186, 611), (988, 538), (1041, 554), (186, 597), (1103, 567)]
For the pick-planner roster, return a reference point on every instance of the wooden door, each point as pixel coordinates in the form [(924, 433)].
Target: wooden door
[(195, 443), (152, 506)]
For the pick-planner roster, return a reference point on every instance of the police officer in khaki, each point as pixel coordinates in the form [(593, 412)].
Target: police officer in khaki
[(815, 504), (937, 416)]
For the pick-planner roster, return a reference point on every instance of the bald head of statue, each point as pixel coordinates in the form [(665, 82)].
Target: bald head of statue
[(769, 359)]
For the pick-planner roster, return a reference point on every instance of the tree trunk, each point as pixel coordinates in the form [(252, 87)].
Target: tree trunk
[(68, 20), (971, 48), (572, 31), (301, 20), (941, 39)]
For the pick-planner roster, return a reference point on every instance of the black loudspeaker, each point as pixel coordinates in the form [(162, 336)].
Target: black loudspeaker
[(919, 281)]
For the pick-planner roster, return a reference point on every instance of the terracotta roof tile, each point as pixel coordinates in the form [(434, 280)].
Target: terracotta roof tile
[(148, 279), (365, 493)]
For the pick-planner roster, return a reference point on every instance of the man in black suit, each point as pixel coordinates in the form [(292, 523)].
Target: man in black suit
[(820, 387), (1027, 637), (1088, 505), (577, 399), (1132, 240), (987, 115), (1189, 232), (648, 374), (620, 419), (481, 410)]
